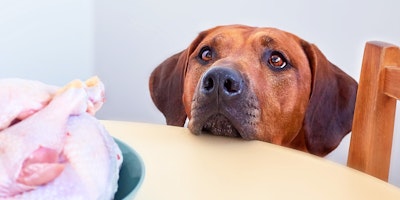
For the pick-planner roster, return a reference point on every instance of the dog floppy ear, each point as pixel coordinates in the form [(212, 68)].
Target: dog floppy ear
[(329, 115), (167, 82), (166, 88)]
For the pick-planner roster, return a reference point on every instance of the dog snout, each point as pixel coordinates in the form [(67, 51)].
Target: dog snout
[(223, 81)]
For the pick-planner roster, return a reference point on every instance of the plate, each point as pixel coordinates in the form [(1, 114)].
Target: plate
[(131, 174)]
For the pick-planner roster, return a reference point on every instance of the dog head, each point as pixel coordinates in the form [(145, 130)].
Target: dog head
[(256, 83)]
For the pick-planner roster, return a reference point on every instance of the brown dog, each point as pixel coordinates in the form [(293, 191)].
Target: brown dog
[(256, 83)]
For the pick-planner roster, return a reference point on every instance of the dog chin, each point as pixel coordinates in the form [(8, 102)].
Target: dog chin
[(217, 124)]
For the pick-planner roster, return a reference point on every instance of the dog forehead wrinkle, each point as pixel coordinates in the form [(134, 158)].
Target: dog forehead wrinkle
[(215, 40), (228, 38), (267, 41)]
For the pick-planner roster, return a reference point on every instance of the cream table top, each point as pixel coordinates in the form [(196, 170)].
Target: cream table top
[(180, 165)]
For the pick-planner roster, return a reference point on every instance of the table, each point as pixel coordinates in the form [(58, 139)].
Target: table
[(180, 165)]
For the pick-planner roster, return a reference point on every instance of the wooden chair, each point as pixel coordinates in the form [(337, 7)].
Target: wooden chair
[(373, 123)]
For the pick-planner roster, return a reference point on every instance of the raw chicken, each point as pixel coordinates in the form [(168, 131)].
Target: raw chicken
[(58, 150)]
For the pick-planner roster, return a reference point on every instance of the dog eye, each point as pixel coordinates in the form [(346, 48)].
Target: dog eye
[(205, 54), (277, 60)]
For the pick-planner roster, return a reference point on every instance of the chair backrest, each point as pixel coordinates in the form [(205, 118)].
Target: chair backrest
[(375, 109)]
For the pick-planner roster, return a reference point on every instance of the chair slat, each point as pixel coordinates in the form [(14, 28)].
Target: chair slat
[(392, 81)]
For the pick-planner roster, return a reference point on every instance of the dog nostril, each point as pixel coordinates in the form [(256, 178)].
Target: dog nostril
[(231, 86), (208, 84)]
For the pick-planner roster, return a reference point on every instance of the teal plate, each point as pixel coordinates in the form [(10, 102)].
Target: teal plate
[(131, 174)]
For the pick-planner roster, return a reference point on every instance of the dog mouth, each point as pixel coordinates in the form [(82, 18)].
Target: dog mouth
[(220, 125)]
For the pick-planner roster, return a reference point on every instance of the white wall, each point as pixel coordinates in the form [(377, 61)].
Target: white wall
[(123, 41), (133, 37), (47, 40)]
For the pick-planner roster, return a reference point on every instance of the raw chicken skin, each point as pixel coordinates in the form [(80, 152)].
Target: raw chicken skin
[(61, 151), (20, 98)]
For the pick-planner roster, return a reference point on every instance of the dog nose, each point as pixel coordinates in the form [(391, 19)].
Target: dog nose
[(224, 81)]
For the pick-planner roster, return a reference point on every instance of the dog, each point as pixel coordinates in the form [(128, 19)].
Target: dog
[(257, 83)]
